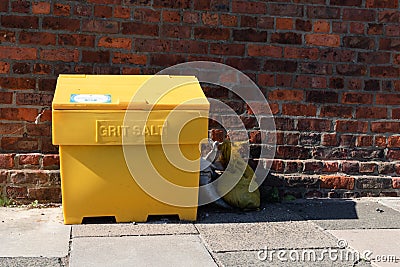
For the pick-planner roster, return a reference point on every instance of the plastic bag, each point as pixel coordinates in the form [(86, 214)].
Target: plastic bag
[(239, 196)]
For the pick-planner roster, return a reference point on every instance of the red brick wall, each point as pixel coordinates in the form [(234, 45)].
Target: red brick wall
[(329, 68)]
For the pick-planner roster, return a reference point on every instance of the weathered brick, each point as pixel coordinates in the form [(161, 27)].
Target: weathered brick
[(211, 33), (264, 50), (103, 11), (96, 56), (249, 35), (21, 22), (351, 126), (371, 112), (177, 4), (320, 125), (330, 166), (60, 23), (226, 20), (286, 38), (6, 97), (301, 53), (385, 72), (122, 12), (166, 59), (336, 111), (373, 183), (62, 54), (285, 10), (284, 23), (17, 83), (76, 40), (292, 152), (61, 9), (16, 192), (280, 66), (41, 8), (109, 42), (322, 97), (20, 6), (175, 31), (323, 12), (103, 26), (29, 159), (357, 14), (227, 49), (50, 194), (121, 58), (337, 182), (34, 99), (359, 42), (332, 40), (396, 182), (7, 161), (303, 25), (346, 3), (299, 110), (385, 126), (249, 7), (37, 38), (382, 3)]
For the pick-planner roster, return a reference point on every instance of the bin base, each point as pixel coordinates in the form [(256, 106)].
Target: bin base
[(96, 182)]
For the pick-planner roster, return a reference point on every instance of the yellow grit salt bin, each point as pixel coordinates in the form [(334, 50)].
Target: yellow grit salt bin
[(118, 134)]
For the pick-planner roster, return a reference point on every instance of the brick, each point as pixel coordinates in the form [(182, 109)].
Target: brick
[(264, 50), (175, 31), (7, 161), (105, 26), (388, 99), (354, 14), (368, 167), (346, 2), (228, 20), (50, 194), (339, 27), (329, 140), (249, 7), (396, 182), (292, 152), (374, 57), (336, 111), (17, 83), (248, 22), (76, 40), (391, 16), (337, 182), (211, 33), (385, 126), (389, 44), (244, 64), (375, 29), (152, 45), (29, 159), (166, 59), (137, 59), (16, 192), (122, 12), (38, 130), (322, 26), (394, 141), (176, 4), (83, 10), (371, 112), (299, 110), (357, 98), (47, 84), (20, 6), (289, 95), (4, 67), (109, 42), (41, 8), (323, 12), (336, 83), (382, 3), (6, 97), (291, 139), (61, 9), (209, 19), (249, 35), (107, 2), (286, 10), (322, 97), (351, 126), (61, 54), (38, 38), (95, 56), (103, 11), (359, 42), (351, 70), (313, 167), (323, 40), (385, 72), (336, 55), (18, 114), (189, 46), (310, 139), (316, 68), (357, 27), (34, 99), (280, 66), (301, 53), (319, 125), (392, 30), (393, 155), (374, 183), (21, 22), (330, 166), (284, 23), (227, 49), (21, 68), (303, 25), (286, 38), (60, 23)]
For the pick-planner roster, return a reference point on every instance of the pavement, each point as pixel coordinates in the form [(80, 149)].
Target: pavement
[(305, 232)]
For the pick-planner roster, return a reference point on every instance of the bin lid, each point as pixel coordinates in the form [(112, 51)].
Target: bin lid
[(121, 92)]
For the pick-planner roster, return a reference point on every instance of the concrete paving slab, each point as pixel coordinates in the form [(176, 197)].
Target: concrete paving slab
[(391, 202), (33, 262), (291, 258), (337, 214), (255, 236), (384, 244), (177, 250), (268, 213), (130, 229), (33, 233)]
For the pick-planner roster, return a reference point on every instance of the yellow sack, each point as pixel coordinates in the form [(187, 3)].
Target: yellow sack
[(239, 196)]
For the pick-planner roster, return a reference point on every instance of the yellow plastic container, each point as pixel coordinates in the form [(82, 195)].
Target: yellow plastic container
[(96, 120)]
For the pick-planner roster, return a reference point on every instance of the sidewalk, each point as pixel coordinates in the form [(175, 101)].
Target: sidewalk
[(313, 232)]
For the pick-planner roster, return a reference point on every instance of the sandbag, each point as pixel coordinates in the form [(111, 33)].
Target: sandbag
[(239, 196)]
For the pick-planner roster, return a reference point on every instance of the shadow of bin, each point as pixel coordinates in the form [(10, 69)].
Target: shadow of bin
[(129, 145)]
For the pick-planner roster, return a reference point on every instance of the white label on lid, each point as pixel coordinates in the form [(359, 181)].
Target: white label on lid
[(90, 98)]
